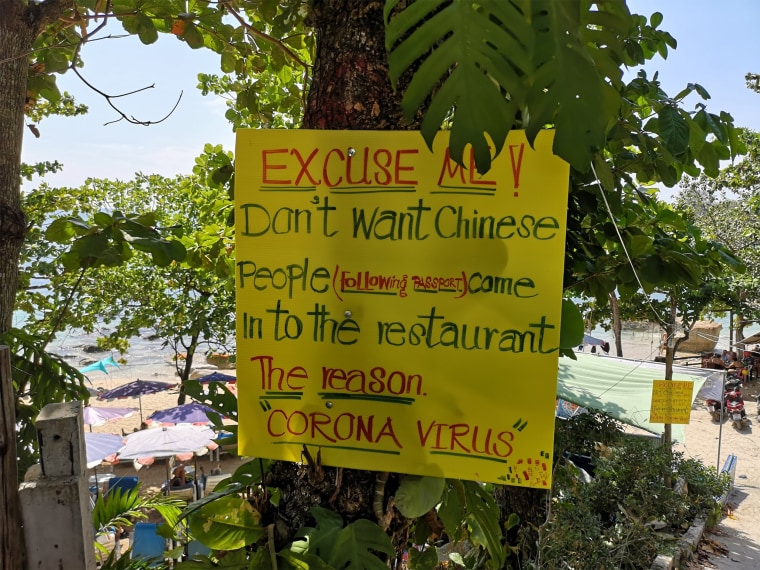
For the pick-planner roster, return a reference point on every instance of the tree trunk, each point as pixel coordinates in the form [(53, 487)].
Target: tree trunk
[(15, 44), (351, 88), (739, 330), (617, 324), (12, 551), (16, 38)]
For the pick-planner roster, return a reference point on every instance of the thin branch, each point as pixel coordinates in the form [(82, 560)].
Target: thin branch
[(261, 35), (109, 98), (65, 307)]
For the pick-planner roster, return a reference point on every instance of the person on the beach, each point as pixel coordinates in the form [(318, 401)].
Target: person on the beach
[(716, 362), (179, 477)]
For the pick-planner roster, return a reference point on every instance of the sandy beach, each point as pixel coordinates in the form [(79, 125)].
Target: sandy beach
[(151, 477)]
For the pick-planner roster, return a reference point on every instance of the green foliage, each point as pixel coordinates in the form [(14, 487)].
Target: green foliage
[(753, 82), (651, 247), (470, 513), (227, 523), (613, 521), (122, 507), (342, 546), (66, 106), (29, 171), (219, 397), (265, 51), (572, 328), (416, 495), (39, 378), (125, 562), (726, 210), (111, 240), (540, 63), (169, 270)]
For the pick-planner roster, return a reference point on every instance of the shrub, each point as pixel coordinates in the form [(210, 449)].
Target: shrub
[(626, 514)]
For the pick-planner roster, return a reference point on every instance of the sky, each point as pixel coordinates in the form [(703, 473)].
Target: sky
[(718, 44)]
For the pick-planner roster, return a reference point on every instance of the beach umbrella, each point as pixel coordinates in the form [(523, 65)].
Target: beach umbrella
[(99, 416), (135, 389), (100, 365), (192, 413), (217, 377), (183, 442), (100, 446), (155, 443)]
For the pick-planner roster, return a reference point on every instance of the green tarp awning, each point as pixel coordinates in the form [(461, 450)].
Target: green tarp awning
[(621, 388)]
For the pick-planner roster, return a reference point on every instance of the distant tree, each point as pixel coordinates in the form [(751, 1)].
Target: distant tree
[(727, 209), (188, 303), (753, 82)]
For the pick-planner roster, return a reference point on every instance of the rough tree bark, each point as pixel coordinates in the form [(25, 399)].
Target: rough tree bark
[(617, 323), (15, 43), (16, 38)]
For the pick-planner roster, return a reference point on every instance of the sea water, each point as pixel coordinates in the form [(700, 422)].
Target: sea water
[(644, 343)]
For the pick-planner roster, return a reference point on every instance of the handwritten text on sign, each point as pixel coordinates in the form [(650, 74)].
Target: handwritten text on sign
[(671, 401), (395, 310)]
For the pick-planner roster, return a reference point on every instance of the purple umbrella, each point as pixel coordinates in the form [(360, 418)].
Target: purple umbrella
[(135, 389), (193, 413), (99, 416), (217, 377)]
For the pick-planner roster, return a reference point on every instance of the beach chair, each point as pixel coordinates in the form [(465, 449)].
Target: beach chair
[(212, 481), (186, 492), (123, 483), (147, 545)]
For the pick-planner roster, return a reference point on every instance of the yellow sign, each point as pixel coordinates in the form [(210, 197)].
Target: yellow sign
[(394, 310), (671, 401)]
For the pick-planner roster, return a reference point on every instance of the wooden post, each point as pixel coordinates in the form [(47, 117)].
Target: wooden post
[(11, 536)]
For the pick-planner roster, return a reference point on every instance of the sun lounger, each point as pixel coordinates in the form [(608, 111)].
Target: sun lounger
[(186, 492), (147, 545), (123, 483), (212, 481)]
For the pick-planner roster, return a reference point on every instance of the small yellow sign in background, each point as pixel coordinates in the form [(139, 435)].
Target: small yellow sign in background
[(671, 401), (397, 311)]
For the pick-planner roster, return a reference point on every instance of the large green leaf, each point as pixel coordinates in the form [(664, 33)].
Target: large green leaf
[(63, 229), (572, 326), (483, 520), (452, 509), (416, 495), (355, 544), (461, 46), (674, 130), (494, 65), (566, 88), (226, 524), (344, 547)]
